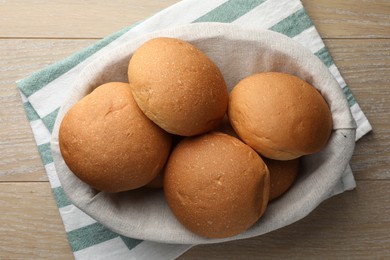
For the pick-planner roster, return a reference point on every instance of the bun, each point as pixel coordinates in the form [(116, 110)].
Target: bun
[(177, 86), (282, 176), (279, 115), (109, 143), (216, 185)]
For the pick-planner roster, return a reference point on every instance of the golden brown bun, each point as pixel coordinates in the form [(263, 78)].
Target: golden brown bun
[(177, 86), (279, 115), (216, 185), (282, 173), (108, 142), (282, 176)]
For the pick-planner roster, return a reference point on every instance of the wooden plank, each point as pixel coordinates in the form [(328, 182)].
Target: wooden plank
[(366, 68), (87, 19), (353, 225), (19, 158), (30, 224), (350, 18), (73, 19)]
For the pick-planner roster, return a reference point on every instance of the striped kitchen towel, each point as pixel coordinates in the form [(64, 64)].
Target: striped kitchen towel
[(44, 91)]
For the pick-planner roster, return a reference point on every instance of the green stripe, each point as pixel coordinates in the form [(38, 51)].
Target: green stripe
[(348, 94), (30, 111), (43, 77), (45, 152), (229, 11), (61, 198), (130, 242), (294, 24), (325, 57), (50, 119), (89, 236)]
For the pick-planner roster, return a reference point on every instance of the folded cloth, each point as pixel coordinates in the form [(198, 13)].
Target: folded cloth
[(44, 91)]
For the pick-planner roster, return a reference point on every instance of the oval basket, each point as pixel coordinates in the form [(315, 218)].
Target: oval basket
[(238, 52)]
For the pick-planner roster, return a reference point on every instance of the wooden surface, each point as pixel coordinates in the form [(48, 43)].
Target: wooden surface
[(353, 225)]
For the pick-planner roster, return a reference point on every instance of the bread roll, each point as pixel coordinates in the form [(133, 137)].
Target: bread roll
[(177, 86), (108, 142), (282, 176), (279, 115), (216, 185)]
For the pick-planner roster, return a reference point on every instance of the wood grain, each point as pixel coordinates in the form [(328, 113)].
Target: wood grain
[(89, 19), (19, 158), (350, 18), (30, 224), (73, 19), (340, 228), (365, 65)]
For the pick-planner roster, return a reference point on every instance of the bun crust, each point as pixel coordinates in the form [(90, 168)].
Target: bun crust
[(109, 143), (279, 115), (216, 185), (177, 86), (282, 176)]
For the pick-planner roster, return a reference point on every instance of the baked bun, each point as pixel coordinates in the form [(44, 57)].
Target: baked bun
[(177, 86), (216, 185), (282, 176), (280, 115), (108, 142)]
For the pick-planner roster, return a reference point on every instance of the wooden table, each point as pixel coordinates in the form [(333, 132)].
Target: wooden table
[(354, 225)]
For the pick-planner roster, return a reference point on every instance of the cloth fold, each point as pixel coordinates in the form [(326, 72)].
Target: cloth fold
[(44, 91)]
